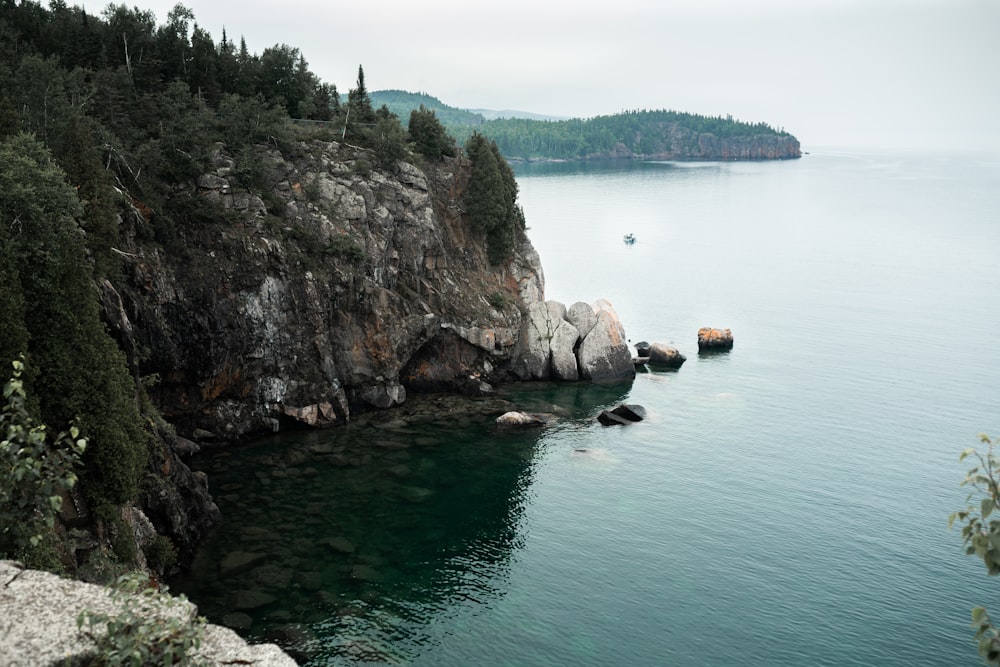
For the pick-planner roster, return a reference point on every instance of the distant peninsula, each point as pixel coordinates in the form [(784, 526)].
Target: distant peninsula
[(657, 135)]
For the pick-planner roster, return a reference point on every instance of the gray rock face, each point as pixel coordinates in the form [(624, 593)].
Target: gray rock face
[(325, 302), (604, 355), (546, 344), (534, 352), (38, 613)]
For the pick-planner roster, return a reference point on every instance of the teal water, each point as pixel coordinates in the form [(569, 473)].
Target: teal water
[(784, 504)]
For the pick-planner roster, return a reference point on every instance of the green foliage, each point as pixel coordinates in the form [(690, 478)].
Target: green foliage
[(344, 246), (161, 554), (981, 534), (151, 627), (499, 300), (388, 139), (80, 374), (312, 189), (35, 470), (428, 134), (360, 115), (491, 198)]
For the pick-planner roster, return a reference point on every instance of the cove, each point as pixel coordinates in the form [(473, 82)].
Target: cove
[(783, 503)]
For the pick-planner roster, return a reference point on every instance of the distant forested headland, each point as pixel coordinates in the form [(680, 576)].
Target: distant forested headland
[(631, 134)]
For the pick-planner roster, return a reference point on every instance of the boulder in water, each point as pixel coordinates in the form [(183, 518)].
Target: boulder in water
[(626, 413), (711, 340), (667, 356), (603, 355)]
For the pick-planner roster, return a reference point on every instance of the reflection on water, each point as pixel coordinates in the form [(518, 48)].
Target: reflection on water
[(342, 544)]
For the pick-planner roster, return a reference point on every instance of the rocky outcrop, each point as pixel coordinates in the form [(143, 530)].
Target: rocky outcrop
[(38, 624), (582, 342), (710, 340), (339, 290)]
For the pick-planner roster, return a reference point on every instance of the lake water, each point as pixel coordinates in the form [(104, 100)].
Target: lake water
[(785, 503)]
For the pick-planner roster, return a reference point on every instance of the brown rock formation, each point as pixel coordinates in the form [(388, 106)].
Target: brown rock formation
[(714, 339)]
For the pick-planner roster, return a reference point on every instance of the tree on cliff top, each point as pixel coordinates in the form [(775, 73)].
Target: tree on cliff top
[(491, 198), (428, 134), (360, 114)]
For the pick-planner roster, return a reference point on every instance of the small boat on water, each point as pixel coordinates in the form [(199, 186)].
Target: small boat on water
[(629, 239)]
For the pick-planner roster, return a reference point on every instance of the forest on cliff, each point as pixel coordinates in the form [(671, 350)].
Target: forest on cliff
[(105, 124)]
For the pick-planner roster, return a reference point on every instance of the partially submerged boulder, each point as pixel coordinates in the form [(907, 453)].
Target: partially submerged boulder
[(624, 414), (710, 339), (665, 355)]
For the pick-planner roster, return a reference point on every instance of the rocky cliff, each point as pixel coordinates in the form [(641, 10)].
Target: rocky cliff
[(330, 289)]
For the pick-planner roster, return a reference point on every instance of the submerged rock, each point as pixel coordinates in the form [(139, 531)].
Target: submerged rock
[(363, 572), (237, 620), (239, 561), (245, 600), (341, 545), (515, 418)]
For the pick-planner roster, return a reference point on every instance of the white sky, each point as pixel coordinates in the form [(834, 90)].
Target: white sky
[(910, 74)]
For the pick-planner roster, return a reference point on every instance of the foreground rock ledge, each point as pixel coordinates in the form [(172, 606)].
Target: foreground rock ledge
[(38, 613)]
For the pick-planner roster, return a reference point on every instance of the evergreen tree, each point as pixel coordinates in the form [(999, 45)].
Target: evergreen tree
[(388, 138), (79, 372), (484, 197), (360, 114), (491, 198), (428, 134)]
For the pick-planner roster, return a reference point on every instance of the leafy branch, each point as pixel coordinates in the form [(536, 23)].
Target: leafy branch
[(34, 470), (981, 535)]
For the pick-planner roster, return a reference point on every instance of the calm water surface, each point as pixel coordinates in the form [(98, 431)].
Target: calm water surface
[(784, 504)]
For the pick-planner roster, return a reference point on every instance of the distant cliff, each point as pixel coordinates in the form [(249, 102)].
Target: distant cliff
[(678, 143)]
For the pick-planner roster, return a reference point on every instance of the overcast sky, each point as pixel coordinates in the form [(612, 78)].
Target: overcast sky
[(836, 73)]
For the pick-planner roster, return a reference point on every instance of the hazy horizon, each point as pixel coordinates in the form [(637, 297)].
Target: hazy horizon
[(914, 74)]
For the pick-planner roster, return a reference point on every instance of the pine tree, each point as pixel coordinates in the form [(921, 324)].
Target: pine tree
[(79, 372), (360, 114)]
